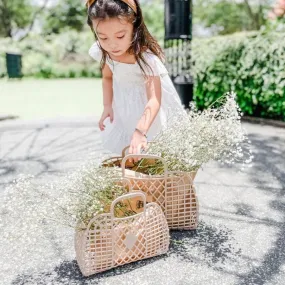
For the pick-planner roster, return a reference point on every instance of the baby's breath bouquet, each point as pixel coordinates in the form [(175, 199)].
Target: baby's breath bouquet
[(90, 192), (195, 137)]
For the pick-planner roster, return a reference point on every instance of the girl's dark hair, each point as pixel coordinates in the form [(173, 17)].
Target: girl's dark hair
[(142, 39)]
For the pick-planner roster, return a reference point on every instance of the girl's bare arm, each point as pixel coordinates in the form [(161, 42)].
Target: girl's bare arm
[(107, 82), (153, 91)]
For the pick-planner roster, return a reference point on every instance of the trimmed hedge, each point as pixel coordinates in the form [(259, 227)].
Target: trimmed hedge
[(251, 64)]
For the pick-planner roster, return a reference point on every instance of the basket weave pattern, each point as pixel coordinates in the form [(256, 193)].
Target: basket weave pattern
[(173, 191), (109, 241)]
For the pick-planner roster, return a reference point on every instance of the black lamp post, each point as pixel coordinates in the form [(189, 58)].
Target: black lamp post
[(177, 44)]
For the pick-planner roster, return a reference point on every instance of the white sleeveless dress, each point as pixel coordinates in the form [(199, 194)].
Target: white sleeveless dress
[(130, 99)]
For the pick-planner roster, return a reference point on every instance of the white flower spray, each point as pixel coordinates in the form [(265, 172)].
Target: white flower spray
[(195, 138), (38, 221)]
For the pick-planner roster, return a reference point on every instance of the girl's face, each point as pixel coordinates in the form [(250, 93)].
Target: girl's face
[(115, 35)]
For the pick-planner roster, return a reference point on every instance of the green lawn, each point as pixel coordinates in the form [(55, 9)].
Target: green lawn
[(33, 99)]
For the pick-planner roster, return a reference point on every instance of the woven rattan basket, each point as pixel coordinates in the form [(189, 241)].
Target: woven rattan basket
[(109, 241), (173, 191)]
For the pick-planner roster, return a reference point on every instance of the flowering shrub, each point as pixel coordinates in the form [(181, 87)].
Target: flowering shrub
[(278, 10), (277, 17), (250, 64)]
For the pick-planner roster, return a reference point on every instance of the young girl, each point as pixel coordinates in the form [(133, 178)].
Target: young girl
[(138, 92)]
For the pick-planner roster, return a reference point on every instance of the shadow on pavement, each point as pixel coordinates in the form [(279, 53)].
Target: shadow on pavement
[(214, 244), (269, 163), (43, 151)]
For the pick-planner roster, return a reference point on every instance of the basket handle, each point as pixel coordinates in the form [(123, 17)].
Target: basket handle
[(132, 194), (110, 158), (127, 183), (124, 151), (142, 156)]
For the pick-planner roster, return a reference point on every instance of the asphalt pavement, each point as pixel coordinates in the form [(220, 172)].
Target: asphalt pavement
[(240, 239)]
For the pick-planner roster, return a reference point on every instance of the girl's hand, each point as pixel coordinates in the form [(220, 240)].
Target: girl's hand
[(107, 112), (138, 142)]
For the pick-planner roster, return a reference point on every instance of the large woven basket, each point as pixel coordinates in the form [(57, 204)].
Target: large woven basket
[(110, 241), (174, 191)]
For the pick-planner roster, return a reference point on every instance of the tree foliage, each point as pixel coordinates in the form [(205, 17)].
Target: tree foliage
[(229, 16), (14, 15), (153, 13), (66, 15), (251, 64)]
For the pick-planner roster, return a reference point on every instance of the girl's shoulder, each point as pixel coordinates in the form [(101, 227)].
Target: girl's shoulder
[(95, 52), (155, 64)]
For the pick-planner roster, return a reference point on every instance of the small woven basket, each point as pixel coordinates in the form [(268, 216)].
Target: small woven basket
[(110, 241), (173, 190)]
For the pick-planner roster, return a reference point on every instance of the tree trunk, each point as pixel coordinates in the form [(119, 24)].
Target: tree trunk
[(34, 18), (6, 19), (255, 17)]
